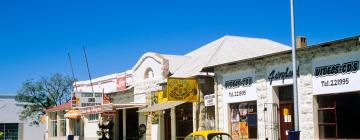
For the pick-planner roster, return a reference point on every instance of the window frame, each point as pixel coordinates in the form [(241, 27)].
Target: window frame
[(93, 117)]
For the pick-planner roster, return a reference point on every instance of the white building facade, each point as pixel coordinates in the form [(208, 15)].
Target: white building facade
[(10, 124), (328, 93)]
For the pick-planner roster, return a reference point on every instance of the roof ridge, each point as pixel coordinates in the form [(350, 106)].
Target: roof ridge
[(216, 50)]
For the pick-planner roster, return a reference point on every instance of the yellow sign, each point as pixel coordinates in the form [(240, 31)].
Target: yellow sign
[(182, 89), (160, 96)]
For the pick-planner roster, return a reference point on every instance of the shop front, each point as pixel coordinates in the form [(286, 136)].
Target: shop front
[(280, 91), (336, 88), (171, 111), (240, 105)]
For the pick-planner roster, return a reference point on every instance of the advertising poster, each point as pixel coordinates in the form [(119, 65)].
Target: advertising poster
[(235, 116), (244, 130), (235, 131), (121, 83)]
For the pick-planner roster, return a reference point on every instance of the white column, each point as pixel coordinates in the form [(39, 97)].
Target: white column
[(173, 123), (195, 116), (68, 131)]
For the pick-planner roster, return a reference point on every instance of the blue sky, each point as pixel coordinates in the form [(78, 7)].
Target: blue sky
[(35, 36)]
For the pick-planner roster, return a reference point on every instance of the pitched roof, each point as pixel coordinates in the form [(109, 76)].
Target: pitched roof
[(226, 50), (240, 48), (65, 106), (175, 61)]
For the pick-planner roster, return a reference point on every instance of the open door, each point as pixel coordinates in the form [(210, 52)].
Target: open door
[(286, 110)]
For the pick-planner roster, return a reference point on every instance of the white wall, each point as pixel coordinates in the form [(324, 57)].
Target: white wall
[(90, 128), (12, 109), (142, 85)]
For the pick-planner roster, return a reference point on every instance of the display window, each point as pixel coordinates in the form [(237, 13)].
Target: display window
[(184, 120), (210, 118), (243, 120), (338, 115)]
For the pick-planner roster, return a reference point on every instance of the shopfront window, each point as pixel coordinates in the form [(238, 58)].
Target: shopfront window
[(243, 120), (210, 118), (209, 101), (77, 127), (338, 115), (62, 124), (184, 120), (93, 117), (53, 124), (10, 131)]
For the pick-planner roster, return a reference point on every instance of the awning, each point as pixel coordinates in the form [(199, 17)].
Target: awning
[(161, 106), (72, 114)]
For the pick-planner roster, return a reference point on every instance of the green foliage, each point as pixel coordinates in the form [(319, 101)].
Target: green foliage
[(42, 94), (1, 134), (106, 130)]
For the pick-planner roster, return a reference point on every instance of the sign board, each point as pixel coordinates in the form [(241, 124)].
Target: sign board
[(336, 74), (86, 99), (209, 100), (182, 89), (239, 86), (281, 75), (121, 83)]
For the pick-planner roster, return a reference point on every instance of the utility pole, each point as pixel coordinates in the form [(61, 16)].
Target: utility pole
[(295, 87), (72, 71), (87, 65)]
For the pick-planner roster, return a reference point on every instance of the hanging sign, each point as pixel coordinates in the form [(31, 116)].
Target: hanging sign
[(209, 100), (239, 86), (182, 89), (336, 74)]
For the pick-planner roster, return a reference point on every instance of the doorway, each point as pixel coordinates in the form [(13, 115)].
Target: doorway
[(286, 110), (338, 116), (131, 124), (167, 124), (184, 120)]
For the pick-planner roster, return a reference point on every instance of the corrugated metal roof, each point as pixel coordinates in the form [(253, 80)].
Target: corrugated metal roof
[(226, 50)]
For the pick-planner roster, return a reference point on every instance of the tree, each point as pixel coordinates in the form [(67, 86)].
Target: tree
[(40, 95)]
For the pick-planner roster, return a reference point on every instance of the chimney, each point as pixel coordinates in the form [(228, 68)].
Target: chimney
[(301, 42)]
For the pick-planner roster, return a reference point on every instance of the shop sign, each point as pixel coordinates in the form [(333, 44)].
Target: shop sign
[(182, 89), (239, 86), (336, 74), (86, 99), (209, 100), (281, 75)]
